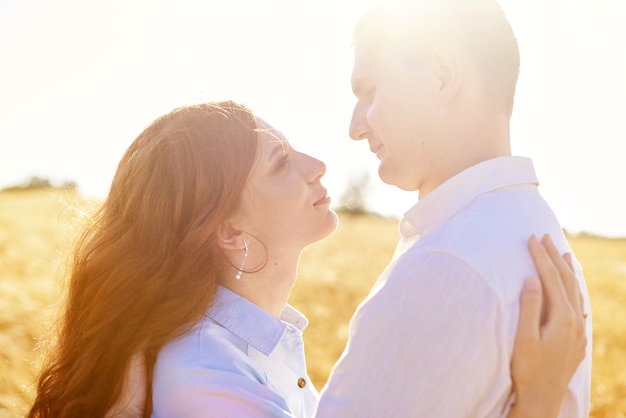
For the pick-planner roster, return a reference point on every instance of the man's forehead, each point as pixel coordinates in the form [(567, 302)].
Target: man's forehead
[(366, 64)]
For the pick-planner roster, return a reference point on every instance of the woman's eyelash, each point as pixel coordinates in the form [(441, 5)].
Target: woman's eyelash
[(284, 160)]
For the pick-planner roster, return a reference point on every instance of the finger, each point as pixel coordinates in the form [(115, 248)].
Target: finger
[(568, 259), (570, 262), (531, 301), (556, 258), (553, 290), (132, 398), (137, 372), (567, 275)]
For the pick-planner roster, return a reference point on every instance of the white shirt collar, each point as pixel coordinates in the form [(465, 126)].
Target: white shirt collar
[(457, 192)]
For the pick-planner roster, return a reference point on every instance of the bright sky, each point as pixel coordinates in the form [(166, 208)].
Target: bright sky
[(80, 79)]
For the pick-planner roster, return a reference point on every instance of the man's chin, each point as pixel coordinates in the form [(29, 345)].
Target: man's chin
[(389, 177)]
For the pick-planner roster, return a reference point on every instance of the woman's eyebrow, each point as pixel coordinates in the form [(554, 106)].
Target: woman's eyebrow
[(280, 148)]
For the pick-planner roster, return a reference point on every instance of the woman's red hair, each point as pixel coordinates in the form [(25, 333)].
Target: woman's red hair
[(145, 269)]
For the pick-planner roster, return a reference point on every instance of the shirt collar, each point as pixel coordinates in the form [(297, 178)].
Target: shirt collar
[(457, 192), (252, 324)]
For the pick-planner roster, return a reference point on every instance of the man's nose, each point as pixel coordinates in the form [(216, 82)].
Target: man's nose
[(359, 128)]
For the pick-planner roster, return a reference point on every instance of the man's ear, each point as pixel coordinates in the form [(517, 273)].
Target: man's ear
[(229, 237), (448, 71)]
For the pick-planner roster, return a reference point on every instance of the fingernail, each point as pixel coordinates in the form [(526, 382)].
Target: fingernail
[(568, 258), (533, 284), (547, 238)]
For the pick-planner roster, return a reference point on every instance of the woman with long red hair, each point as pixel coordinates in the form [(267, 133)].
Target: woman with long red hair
[(188, 266)]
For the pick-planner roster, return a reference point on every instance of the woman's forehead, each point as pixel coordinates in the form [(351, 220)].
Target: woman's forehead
[(269, 135)]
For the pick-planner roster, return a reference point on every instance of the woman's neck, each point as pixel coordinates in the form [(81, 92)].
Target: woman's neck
[(268, 288)]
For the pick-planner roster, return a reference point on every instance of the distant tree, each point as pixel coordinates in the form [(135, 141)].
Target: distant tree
[(69, 185), (36, 182), (353, 200)]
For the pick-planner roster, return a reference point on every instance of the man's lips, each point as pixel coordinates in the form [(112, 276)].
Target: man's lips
[(375, 148)]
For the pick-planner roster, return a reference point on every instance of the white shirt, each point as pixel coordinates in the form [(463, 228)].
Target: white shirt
[(239, 361), (435, 336)]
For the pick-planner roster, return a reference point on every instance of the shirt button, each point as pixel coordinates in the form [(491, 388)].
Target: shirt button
[(301, 382)]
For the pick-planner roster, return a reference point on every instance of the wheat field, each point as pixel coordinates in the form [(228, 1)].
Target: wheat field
[(36, 233)]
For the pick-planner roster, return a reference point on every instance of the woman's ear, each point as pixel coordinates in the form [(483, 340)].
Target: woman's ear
[(230, 238)]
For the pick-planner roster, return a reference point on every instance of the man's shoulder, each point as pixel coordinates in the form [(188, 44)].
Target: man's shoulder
[(490, 235), (492, 220)]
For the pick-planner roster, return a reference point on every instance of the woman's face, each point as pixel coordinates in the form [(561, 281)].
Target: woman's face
[(285, 204)]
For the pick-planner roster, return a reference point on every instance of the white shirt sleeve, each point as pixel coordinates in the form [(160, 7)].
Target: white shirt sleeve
[(432, 341)]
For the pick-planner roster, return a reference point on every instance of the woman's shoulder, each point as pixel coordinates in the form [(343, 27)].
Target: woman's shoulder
[(206, 345), (208, 369)]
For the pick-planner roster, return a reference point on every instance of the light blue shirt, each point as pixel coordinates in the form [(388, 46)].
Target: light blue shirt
[(238, 361)]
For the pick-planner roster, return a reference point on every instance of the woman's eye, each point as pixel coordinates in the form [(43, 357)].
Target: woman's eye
[(284, 160)]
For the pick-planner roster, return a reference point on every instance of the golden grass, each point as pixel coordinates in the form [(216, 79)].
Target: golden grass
[(34, 240), (335, 275), (604, 263)]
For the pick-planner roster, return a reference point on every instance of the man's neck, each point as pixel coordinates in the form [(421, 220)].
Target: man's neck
[(483, 137)]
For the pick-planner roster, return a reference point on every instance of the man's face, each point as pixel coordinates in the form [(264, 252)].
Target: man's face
[(396, 113)]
